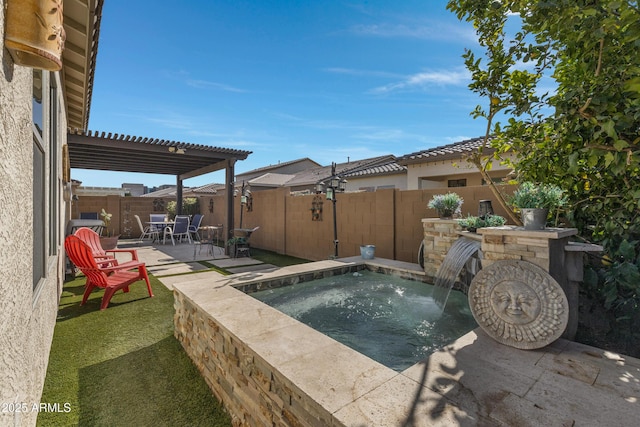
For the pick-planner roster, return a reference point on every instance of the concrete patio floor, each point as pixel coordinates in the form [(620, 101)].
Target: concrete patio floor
[(473, 381)]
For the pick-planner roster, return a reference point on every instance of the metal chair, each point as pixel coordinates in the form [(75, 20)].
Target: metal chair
[(195, 225), (179, 230), (146, 231), (242, 244), (157, 218)]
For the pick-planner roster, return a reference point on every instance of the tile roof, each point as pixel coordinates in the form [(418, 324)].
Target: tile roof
[(443, 152), (271, 179), (277, 166), (351, 168)]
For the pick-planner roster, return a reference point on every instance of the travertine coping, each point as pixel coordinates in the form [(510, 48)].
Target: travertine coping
[(547, 233)]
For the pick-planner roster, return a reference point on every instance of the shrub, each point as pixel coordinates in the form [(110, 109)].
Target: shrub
[(190, 206), (446, 204), (544, 196), (472, 223)]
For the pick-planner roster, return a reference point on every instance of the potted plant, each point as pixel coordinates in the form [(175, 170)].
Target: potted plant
[(107, 240), (446, 204), (535, 201), (472, 223)]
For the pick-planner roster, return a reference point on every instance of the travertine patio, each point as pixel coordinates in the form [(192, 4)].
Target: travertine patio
[(473, 381)]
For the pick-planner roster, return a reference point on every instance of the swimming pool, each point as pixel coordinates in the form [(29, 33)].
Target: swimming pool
[(392, 320)]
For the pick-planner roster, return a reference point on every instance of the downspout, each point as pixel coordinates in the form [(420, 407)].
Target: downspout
[(229, 176)]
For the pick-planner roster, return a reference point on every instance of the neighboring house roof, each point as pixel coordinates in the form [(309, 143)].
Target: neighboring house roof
[(444, 152), (351, 168), (271, 180), (204, 190), (290, 167), (165, 192), (207, 189), (389, 168)]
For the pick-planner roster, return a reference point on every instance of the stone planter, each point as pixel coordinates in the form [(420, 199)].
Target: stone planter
[(110, 242), (534, 219)]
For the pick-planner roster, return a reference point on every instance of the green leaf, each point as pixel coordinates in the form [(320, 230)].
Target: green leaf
[(620, 145)]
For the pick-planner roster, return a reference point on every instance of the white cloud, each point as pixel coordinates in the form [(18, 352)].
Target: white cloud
[(430, 30), (420, 81), (204, 84)]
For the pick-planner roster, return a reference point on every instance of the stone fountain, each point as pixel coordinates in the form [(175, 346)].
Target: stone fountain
[(526, 293)]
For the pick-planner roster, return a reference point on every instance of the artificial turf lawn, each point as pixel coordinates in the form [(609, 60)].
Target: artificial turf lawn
[(123, 366)]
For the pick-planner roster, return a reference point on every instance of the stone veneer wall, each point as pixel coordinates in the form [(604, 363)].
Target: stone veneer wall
[(439, 235), (250, 388), (545, 248)]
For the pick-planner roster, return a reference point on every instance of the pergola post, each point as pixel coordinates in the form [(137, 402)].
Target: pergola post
[(178, 195)]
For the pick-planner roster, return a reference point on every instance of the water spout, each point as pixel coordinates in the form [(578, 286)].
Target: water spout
[(457, 256)]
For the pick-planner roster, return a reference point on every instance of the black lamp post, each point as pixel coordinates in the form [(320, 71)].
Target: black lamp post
[(245, 193), (336, 185)]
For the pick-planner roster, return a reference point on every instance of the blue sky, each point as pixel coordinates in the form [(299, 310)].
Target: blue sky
[(328, 80)]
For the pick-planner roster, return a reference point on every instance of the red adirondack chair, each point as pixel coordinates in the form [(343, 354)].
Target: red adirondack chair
[(110, 278), (103, 257)]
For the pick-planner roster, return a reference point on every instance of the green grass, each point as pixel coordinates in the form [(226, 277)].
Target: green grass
[(273, 258), (123, 366)]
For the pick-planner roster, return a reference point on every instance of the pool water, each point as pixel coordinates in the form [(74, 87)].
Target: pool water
[(391, 320)]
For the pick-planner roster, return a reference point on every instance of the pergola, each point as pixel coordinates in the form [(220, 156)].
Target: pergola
[(125, 153)]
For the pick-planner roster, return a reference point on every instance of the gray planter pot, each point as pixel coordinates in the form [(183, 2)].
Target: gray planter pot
[(534, 219)]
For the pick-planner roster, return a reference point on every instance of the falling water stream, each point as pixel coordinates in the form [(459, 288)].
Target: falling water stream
[(461, 250)]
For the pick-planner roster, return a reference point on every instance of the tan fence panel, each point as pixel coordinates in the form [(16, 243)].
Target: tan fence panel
[(389, 219)]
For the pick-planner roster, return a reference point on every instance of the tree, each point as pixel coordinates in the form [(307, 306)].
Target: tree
[(583, 136)]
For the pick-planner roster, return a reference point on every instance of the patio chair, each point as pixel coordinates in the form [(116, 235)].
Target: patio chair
[(157, 218), (146, 231), (110, 279), (194, 226), (179, 230), (242, 244), (102, 256)]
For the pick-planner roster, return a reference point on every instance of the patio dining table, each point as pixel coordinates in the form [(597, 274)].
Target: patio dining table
[(160, 226)]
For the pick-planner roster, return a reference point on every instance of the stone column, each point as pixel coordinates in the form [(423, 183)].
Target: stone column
[(544, 248), (439, 235)]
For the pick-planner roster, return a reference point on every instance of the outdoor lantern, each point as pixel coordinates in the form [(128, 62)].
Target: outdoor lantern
[(335, 181), (330, 195), (342, 186), (320, 187), (243, 199)]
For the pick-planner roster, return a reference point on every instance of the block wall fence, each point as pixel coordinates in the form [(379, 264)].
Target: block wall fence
[(389, 219)]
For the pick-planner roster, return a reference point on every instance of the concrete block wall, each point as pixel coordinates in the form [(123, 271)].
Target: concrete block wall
[(389, 219)]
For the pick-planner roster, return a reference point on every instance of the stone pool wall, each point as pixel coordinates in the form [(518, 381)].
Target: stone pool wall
[(269, 369), (252, 391)]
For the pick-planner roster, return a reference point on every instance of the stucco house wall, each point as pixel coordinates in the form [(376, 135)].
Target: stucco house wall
[(398, 181), (436, 174), (27, 311)]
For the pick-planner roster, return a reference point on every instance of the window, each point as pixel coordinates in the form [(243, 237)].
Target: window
[(54, 183), (39, 253), (457, 183)]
